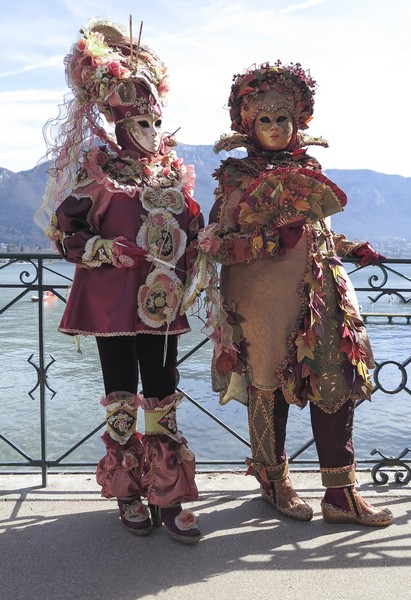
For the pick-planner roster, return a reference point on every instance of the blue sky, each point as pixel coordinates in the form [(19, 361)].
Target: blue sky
[(359, 51)]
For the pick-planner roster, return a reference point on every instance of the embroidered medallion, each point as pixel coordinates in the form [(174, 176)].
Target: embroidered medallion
[(161, 235), (171, 199), (121, 421), (159, 299)]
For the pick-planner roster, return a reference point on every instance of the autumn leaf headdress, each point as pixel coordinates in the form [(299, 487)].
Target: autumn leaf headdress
[(271, 87)]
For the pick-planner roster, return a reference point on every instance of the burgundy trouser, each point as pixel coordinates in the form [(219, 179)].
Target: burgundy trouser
[(123, 358), (268, 414), (332, 432), (333, 435)]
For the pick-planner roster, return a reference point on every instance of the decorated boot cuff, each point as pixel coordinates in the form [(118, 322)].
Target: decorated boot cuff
[(277, 472), (121, 417), (267, 472), (162, 420), (336, 477)]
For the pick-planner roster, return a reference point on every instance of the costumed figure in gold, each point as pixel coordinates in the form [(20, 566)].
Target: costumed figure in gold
[(285, 324)]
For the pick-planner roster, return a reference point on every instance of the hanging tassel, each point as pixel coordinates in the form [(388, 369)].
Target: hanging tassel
[(166, 342), (76, 341)]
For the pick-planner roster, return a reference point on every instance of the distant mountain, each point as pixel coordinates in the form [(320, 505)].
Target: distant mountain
[(379, 205), (378, 209), (20, 197)]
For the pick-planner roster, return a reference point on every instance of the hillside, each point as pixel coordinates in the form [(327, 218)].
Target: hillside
[(379, 205), (20, 196)]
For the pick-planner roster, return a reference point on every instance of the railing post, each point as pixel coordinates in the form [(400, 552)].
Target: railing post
[(42, 377)]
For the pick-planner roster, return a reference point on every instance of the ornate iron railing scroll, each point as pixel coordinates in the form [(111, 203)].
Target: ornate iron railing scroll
[(385, 281)]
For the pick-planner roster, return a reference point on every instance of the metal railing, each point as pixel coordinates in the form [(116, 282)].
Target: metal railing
[(387, 281)]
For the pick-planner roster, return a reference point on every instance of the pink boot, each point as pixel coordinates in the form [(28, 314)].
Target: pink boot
[(134, 515), (169, 479), (181, 524), (119, 472)]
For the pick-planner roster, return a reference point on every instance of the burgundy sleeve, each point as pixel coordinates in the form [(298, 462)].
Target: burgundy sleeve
[(76, 230), (195, 219)]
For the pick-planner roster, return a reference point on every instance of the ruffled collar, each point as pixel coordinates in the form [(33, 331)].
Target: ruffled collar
[(280, 155), (161, 171), (231, 141), (273, 160)]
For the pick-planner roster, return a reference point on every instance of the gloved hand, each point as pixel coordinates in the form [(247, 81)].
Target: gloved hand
[(126, 254), (367, 254), (290, 234)]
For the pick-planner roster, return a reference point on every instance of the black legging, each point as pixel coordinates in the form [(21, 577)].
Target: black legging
[(123, 357)]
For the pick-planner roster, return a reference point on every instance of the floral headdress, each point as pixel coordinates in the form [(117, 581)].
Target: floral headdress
[(106, 70), (271, 87), (104, 65)]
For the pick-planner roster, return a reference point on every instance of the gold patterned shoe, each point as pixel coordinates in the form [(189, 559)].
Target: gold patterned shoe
[(282, 495), (346, 505)]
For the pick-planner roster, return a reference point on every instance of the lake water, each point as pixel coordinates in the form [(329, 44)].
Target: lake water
[(74, 410)]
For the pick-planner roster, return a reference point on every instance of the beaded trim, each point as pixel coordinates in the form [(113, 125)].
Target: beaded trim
[(338, 469)]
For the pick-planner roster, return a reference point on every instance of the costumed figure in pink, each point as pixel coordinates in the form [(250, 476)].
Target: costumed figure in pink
[(121, 208), (286, 324)]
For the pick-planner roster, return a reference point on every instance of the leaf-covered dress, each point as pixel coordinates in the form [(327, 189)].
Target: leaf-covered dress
[(288, 316)]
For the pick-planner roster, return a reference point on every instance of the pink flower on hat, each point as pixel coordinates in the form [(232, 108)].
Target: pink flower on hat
[(116, 69)]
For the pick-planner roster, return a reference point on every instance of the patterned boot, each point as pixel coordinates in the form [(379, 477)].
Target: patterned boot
[(346, 505), (267, 424)]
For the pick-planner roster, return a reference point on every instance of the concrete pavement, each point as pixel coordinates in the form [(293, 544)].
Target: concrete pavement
[(64, 542)]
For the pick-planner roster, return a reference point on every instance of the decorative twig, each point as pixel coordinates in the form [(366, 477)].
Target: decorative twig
[(138, 42), (131, 36)]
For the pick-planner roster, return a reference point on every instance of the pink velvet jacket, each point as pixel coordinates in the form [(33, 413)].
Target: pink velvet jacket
[(148, 203)]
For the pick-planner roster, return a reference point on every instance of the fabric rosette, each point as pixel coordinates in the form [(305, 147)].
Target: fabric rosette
[(160, 297), (186, 520)]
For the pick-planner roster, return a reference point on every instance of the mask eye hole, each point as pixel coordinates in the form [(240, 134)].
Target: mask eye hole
[(281, 119), (264, 120), (143, 123), (158, 123)]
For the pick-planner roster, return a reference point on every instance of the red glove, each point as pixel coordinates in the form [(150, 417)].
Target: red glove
[(367, 254), (127, 254), (290, 234)]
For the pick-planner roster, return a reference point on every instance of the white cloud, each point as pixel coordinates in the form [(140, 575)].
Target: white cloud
[(355, 50), (29, 97), (301, 6), (52, 61)]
